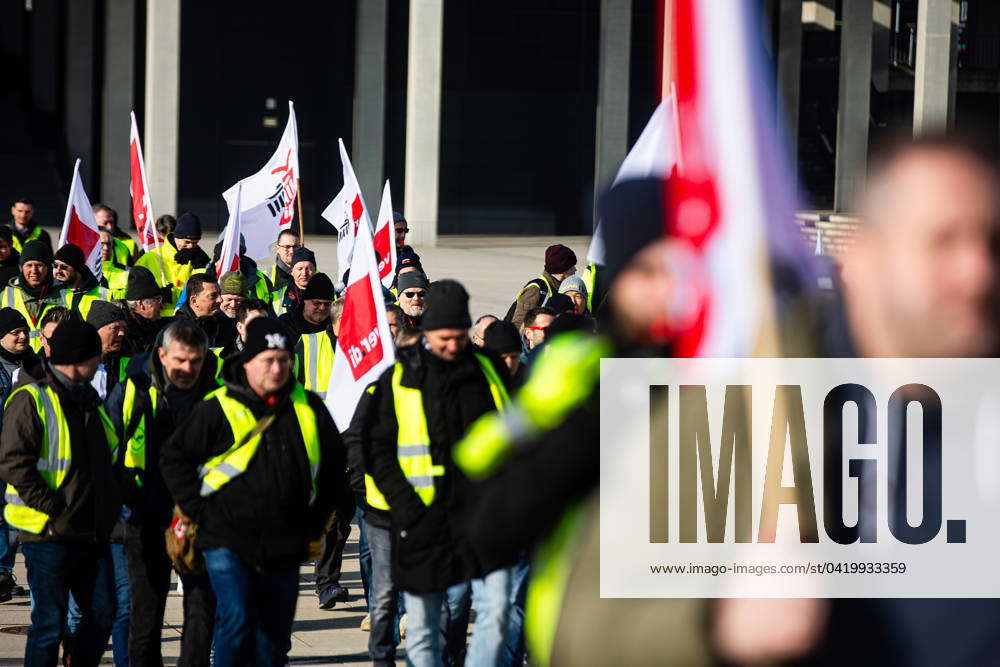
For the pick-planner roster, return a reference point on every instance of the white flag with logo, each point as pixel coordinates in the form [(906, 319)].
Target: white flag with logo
[(268, 201), (364, 345), (229, 257), (385, 240), (80, 226), (345, 212), (652, 155)]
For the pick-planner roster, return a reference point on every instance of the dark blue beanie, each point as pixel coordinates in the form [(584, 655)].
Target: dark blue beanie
[(188, 226)]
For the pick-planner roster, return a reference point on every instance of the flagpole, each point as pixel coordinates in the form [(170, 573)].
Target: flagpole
[(298, 200)]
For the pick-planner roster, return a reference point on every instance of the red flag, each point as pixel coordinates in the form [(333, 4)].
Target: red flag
[(79, 225), (385, 240), (142, 207)]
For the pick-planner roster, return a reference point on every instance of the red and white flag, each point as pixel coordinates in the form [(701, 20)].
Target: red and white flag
[(142, 205), (385, 240), (268, 203), (229, 258), (346, 212), (364, 346), (79, 225)]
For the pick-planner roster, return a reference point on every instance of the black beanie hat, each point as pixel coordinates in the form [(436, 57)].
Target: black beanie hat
[(446, 306), (559, 303), (408, 258), (36, 251), (11, 319), (141, 284), (302, 254), (502, 337), (103, 313), (72, 254), (74, 341), (264, 334), (636, 206), (188, 226), (320, 287), (411, 280)]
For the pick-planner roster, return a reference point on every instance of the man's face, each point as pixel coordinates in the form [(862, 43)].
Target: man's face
[(411, 300), (579, 301), (479, 331), (268, 371), (207, 301), (921, 279), (512, 360), (47, 331), (535, 333), (105, 220), (241, 327), (16, 342), (230, 302), (181, 364), (316, 311), (302, 272), (107, 246), (184, 244), (22, 213), (447, 343), (149, 308), (393, 318), (34, 273), (286, 246), (641, 291), (112, 336), (5, 249), (401, 231), (65, 273)]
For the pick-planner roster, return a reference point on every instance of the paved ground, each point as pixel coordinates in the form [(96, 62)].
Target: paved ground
[(492, 269)]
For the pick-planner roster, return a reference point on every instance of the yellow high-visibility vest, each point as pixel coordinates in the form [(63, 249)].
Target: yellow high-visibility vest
[(317, 362), (54, 458)]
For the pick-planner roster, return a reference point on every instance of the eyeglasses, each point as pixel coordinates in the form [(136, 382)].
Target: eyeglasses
[(289, 247), (414, 295)]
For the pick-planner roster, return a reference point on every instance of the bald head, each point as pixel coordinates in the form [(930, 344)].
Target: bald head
[(921, 280)]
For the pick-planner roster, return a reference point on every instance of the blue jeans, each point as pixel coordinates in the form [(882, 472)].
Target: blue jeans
[(364, 553), (119, 628), (491, 598), (8, 546), (254, 610), (513, 653), (384, 598), (54, 570)]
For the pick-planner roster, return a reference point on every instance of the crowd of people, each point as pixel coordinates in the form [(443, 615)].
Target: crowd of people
[(165, 419)]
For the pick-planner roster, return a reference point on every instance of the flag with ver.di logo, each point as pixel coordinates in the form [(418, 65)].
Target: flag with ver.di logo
[(79, 225)]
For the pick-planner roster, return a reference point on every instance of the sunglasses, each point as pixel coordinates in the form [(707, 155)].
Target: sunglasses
[(403, 230), (59, 266), (414, 295)]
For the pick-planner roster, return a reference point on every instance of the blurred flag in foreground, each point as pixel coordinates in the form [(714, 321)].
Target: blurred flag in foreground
[(730, 196)]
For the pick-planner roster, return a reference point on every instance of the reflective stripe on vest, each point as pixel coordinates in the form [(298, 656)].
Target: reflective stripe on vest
[(279, 302), (317, 361), (413, 440), (550, 569), (54, 457), (561, 380), (220, 470)]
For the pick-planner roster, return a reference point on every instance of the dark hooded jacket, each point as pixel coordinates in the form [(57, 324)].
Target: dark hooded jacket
[(264, 514), (429, 549), (220, 329), (151, 502), (141, 334), (87, 504)]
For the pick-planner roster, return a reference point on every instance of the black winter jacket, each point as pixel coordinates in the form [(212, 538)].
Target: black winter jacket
[(430, 552), (263, 515), (88, 503), (151, 503), (220, 329)]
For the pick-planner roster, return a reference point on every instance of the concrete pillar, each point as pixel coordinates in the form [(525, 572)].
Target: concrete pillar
[(369, 98), (160, 127), (423, 120), (118, 101), (881, 44), (853, 107), (789, 69), (611, 142), (933, 84), (80, 91)]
